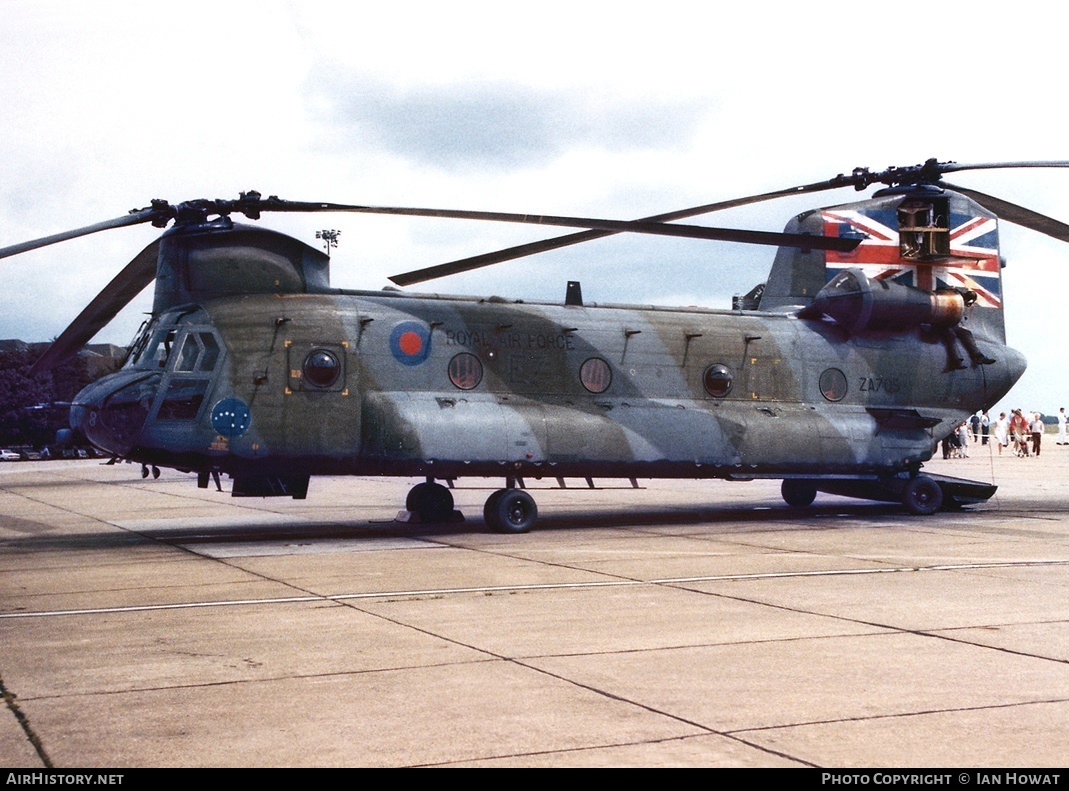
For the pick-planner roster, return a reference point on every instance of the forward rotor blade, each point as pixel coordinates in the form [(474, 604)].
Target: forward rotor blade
[(1017, 214), (134, 218), (807, 241), (115, 296), (545, 245)]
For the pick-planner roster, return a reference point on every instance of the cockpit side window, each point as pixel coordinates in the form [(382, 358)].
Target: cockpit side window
[(211, 351), (183, 399), (200, 352), (196, 355)]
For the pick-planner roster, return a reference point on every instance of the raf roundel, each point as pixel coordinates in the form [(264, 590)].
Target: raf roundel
[(410, 342), (231, 417)]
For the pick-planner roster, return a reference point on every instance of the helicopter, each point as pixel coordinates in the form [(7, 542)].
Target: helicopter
[(878, 330)]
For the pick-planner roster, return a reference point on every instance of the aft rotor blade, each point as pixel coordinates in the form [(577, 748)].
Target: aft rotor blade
[(545, 245), (133, 218), (1017, 214), (859, 179), (954, 167), (115, 296)]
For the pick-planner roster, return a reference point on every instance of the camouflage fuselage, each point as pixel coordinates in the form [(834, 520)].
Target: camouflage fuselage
[(452, 386)]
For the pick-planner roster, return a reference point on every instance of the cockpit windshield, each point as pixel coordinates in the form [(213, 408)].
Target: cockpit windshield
[(176, 343), (157, 351), (137, 346)]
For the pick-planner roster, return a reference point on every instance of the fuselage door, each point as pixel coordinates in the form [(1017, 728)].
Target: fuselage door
[(321, 410)]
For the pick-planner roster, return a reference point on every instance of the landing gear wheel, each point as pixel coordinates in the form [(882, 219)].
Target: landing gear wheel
[(510, 511), (798, 493), (922, 496), (431, 501)]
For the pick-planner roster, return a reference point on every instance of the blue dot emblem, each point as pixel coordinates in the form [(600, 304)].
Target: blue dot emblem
[(231, 417)]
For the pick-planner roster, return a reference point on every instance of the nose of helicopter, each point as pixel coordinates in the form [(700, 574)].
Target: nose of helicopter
[(1017, 363), (112, 411), (1002, 376)]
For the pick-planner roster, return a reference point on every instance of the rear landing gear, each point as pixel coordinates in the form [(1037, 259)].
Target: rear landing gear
[(922, 496), (510, 511)]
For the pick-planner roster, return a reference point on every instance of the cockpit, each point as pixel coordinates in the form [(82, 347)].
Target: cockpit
[(165, 381)]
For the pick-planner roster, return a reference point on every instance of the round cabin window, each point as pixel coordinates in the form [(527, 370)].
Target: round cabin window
[(321, 368), (595, 375), (833, 384), (717, 380), (465, 371)]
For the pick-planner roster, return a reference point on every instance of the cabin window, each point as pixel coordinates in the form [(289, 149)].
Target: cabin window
[(316, 367), (321, 368), (833, 384), (465, 371), (595, 375), (717, 380)]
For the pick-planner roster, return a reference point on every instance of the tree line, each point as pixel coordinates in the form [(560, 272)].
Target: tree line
[(34, 408)]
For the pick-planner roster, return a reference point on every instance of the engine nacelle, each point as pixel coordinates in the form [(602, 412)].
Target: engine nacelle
[(861, 303)]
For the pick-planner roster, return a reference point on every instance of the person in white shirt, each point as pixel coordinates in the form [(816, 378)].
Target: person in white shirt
[(1002, 432), (1036, 427)]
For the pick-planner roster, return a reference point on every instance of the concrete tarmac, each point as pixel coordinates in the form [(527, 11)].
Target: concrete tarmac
[(149, 623)]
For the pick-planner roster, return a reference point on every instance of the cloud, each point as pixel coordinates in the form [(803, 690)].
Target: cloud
[(486, 125)]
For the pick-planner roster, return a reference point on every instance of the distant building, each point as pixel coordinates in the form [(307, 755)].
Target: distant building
[(100, 358), (13, 345)]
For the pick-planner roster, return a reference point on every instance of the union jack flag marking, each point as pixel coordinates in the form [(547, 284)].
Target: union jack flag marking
[(973, 247)]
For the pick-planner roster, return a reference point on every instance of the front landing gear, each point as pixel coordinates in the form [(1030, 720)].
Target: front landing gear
[(798, 493), (510, 511), (431, 502)]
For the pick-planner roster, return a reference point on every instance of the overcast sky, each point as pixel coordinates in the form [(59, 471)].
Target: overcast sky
[(607, 109)]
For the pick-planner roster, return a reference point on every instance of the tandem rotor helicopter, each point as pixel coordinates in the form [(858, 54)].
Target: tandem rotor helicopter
[(878, 330)]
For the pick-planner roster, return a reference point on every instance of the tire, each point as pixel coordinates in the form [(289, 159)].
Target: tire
[(922, 496), (510, 511), (798, 493), (431, 501)]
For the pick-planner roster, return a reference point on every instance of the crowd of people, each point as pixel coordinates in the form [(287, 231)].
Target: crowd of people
[(1021, 430)]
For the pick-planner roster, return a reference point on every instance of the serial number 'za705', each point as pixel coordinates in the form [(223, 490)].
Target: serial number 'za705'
[(879, 384)]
